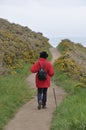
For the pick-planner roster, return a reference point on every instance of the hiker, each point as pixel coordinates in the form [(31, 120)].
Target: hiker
[(42, 85)]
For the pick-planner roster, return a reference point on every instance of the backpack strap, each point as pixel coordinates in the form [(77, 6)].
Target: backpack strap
[(43, 65), (39, 64)]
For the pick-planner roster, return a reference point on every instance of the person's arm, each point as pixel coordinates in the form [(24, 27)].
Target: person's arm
[(50, 70), (34, 68)]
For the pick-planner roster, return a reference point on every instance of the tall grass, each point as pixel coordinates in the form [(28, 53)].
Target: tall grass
[(71, 114), (14, 92)]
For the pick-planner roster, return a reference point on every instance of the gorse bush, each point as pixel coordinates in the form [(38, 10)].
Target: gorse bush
[(73, 60), (18, 44), (69, 66)]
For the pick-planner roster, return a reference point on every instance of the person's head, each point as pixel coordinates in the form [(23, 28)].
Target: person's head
[(43, 54)]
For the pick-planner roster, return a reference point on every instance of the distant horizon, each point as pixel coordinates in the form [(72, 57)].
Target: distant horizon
[(55, 41), (50, 37)]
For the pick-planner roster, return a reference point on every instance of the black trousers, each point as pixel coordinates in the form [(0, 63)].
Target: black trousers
[(42, 95)]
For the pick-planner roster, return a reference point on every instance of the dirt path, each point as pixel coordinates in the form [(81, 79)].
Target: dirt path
[(29, 117)]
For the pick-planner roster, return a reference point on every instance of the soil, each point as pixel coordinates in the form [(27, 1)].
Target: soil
[(29, 117)]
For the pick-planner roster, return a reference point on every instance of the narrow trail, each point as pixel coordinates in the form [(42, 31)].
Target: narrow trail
[(29, 117)]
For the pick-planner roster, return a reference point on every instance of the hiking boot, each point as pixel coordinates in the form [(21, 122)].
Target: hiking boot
[(44, 107), (39, 105)]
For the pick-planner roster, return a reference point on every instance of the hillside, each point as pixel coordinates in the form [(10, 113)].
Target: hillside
[(18, 44), (73, 60), (70, 73)]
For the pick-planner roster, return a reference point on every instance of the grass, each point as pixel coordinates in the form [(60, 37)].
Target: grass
[(71, 114), (14, 92)]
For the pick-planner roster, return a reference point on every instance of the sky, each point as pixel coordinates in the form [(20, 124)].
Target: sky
[(53, 18)]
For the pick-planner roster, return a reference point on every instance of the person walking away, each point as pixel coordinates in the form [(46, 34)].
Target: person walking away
[(42, 84)]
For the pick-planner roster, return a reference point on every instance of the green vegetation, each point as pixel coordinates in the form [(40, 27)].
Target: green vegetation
[(18, 44), (71, 114), (14, 92), (73, 61)]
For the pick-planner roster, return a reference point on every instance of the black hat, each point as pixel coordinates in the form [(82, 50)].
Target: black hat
[(43, 54)]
